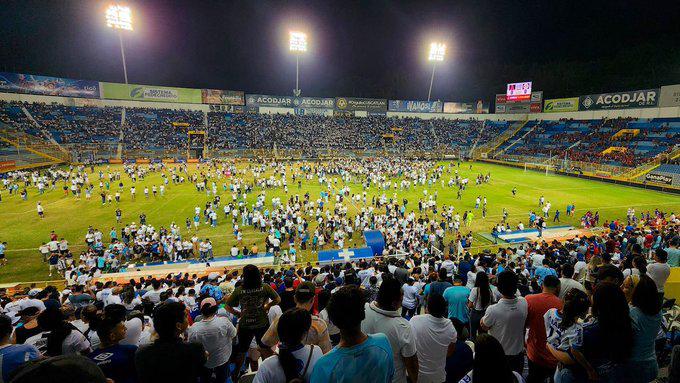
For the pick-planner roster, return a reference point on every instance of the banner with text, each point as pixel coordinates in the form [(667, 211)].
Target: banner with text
[(226, 97), (258, 100), (670, 96), (466, 107), (49, 86), (366, 104), (556, 105), (136, 92), (647, 98), (415, 106), (659, 178)]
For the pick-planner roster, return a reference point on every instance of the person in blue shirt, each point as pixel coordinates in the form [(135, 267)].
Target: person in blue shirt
[(457, 298), (358, 357), (3, 260), (117, 361), (543, 271), (13, 355)]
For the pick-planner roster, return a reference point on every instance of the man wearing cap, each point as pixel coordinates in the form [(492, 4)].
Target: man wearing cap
[(318, 332), (216, 334)]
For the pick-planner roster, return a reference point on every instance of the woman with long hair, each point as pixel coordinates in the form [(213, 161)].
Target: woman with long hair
[(645, 313), (607, 339), (632, 276), (295, 361), (480, 298), (490, 364)]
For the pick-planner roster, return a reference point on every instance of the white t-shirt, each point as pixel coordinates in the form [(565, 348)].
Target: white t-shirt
[(74, 343), (216, 335), (659, 272), (477, 299), (270, 370), (134, 331), (432, 336), (567, 284), (398, 332), (506, 321), (558, 338), (410, 296)]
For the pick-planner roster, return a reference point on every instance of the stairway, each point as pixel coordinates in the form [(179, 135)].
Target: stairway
[(46, 133), (517, 140), (491, 146), (36, 145), (649, 166), (119, 151), (474, 145)]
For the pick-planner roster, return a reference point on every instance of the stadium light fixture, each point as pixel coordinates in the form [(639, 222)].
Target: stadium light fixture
[(297, 45), (437, 52), (119, 17), (298, 41)]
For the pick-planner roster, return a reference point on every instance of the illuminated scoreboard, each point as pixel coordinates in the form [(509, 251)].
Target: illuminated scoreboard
[(519, 91)]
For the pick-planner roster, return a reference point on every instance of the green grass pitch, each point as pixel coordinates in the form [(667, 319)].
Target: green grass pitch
[(24, 231)]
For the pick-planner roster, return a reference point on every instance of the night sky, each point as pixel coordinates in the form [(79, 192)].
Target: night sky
[(356, 48)]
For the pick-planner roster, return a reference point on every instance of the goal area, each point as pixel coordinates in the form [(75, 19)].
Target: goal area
[(547, 168)]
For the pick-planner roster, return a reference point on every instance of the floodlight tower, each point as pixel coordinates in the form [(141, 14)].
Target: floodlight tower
[(437, 51), (119, 17), (298, 45)]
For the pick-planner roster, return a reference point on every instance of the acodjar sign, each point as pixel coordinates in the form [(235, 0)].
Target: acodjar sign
[(647, 98)]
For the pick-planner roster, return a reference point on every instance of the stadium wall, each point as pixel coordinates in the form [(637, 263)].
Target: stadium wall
[(658, 112), (73, 101)]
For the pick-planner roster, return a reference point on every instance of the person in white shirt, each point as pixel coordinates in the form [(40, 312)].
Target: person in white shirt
[(382, 317), (659, 271), (294, 360), (216, 335), (409, 302), (435, 339), (505, 320), (567, 282)]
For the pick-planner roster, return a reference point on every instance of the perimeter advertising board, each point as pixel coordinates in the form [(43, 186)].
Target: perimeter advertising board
[(647, 98), (225, 97), (466, 107), (263, 100), (49, 86), (415, 106), (365, 104), (137, 92), (557, 105), (670, 96), (659, 178)]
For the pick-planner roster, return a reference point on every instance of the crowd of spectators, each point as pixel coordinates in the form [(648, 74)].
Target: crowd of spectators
[(581, 310)]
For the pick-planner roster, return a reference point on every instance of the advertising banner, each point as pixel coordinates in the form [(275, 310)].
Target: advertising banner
[(366, 104), (458, 107), (466, 107), (647, 98), (556, 105), (226, 97), (415, 106), (659, 178), (500, 108), (670, 95), (137, 92), (50, 86), (263, 100), (537, 96)]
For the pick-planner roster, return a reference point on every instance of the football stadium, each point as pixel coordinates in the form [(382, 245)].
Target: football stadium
[(459, 220)]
